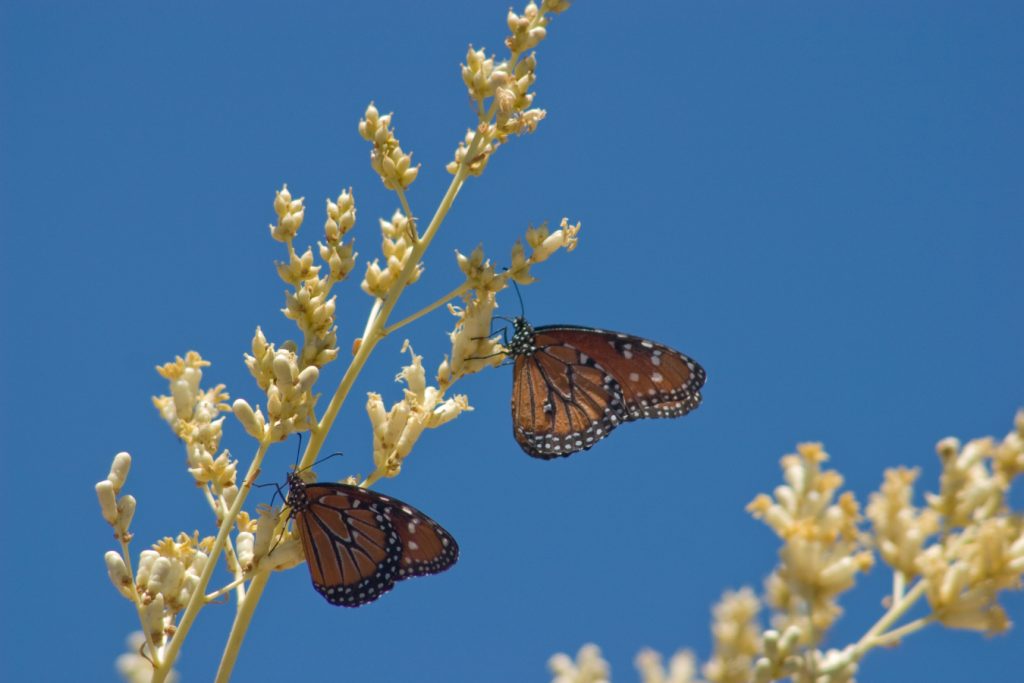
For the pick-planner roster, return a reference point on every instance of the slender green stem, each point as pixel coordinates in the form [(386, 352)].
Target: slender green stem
[(240, 626), (198, 598)]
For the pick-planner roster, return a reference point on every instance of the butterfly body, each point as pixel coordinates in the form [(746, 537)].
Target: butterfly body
[(359, 543), (573, 385)]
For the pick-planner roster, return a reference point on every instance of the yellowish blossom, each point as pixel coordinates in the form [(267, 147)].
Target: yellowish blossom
[(588, 667)]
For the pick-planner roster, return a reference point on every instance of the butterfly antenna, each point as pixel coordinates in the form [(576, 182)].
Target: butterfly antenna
[(519, 295), (298, 451)]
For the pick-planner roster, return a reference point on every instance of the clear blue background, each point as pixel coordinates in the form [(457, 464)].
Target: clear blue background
[(819, 201)]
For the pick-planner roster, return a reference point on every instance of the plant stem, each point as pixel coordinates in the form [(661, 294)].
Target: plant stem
[(897, 634), (198, 598), (877, 636), (240, 626), (374, 331), (458, 291)]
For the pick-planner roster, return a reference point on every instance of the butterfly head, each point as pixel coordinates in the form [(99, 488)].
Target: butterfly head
[(523, 337)]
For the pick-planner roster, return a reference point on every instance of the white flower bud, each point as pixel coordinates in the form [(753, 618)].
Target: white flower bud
[(146, 560), (284, 368), (268, 520), (118, 573), (108, 501), (119, 470), (254, 425), (165, 577), (125, 512), (244, 549), (153, 619), (307, 378), (184, 399)]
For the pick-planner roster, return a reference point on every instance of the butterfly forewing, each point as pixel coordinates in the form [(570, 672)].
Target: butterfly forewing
[(561, 402), (358, 543), (656, 381), (573, 385)]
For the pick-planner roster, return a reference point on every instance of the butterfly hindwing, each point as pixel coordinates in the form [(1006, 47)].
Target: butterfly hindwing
[(358, 543)]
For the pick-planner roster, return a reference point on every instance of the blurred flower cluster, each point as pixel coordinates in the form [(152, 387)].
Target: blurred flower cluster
[(955, 553)]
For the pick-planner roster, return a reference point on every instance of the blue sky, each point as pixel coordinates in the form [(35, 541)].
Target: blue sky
[(818, 201)]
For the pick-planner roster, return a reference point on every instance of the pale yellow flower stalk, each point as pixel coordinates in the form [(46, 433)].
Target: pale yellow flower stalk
[(172, 581), (957, 554)]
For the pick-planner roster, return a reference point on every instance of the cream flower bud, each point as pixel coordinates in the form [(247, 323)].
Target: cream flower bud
[(146, 560), (308, 377), (188, 587), (119, 470), (118, 573), (184, 399), (108, 501), (229, 493), (152, 616), (252, 422), (265, 528), (125, 513), (284, 367), (244, 549), (165, 577)]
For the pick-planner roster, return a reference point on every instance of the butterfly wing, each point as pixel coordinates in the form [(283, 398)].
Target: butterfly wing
[(656, 381), (352, 550), (358, 543), (580, 383), (427, 547)]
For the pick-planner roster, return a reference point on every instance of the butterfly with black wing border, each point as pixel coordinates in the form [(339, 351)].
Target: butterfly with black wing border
[(573, 385), (358, 543)]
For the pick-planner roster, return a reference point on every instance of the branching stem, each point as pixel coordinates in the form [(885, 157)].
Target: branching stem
[(198, 598)]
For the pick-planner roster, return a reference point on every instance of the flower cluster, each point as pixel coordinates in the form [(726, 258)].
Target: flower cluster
[(822, 550), (395, 431), (958, 553), (588, 667), (194, 416), (397, 246), (287, 373), (682, 667), (387, 158), (473, 346), (171, 584), (167, 574), (506, 85)]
